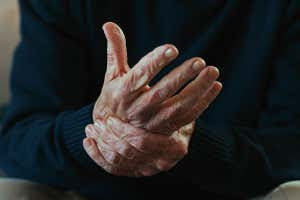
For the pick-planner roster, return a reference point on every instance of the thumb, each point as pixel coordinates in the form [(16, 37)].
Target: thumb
[(116, 51)]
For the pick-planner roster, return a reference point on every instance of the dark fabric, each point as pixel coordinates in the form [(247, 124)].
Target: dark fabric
[(2, 111), (246, 143)]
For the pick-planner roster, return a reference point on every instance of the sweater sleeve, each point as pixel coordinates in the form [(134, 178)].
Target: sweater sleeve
[(44, 125), (238, 160)]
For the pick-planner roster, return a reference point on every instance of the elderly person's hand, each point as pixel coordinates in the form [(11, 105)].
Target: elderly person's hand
[(146, 134), (124, 150), (127, 95)]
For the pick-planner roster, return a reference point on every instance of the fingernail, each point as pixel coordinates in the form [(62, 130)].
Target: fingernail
[(169, 53), (130, 154), (216, 69), (197, 65), (203, 62), (213, 71)]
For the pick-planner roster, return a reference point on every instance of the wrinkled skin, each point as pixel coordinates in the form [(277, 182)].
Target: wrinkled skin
[(124, 150), (147, 116)]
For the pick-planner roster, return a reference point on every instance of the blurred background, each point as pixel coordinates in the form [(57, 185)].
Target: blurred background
[(9, 37)]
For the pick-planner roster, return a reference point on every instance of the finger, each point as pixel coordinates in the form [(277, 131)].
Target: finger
[(93, 152), (189, 95), (88, 130), (143, 141), (170, 84), (202, 104), (173, 108), (145, 70), (119, 145), (171, 152), (116, 51), (111, 156)]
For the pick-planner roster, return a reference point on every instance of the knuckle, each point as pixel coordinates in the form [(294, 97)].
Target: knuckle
[(129, 153), (111, 156), (138, 73), (179, 78), (142, 144), (115, 159), (156, 58)]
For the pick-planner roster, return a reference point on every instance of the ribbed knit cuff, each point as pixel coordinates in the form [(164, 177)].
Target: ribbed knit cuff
[(74, 133), (210, 157), (212, 142)]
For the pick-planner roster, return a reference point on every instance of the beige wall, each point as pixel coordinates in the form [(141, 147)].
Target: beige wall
[(9, 37)]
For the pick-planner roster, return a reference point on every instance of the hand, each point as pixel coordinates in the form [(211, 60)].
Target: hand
[(124, 150), (127, 95)]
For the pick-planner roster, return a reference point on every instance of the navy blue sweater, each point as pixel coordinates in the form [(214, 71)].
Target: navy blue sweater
[(245, 144)]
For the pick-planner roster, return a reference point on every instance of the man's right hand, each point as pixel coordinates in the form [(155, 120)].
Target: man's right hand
[(127, 95)]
